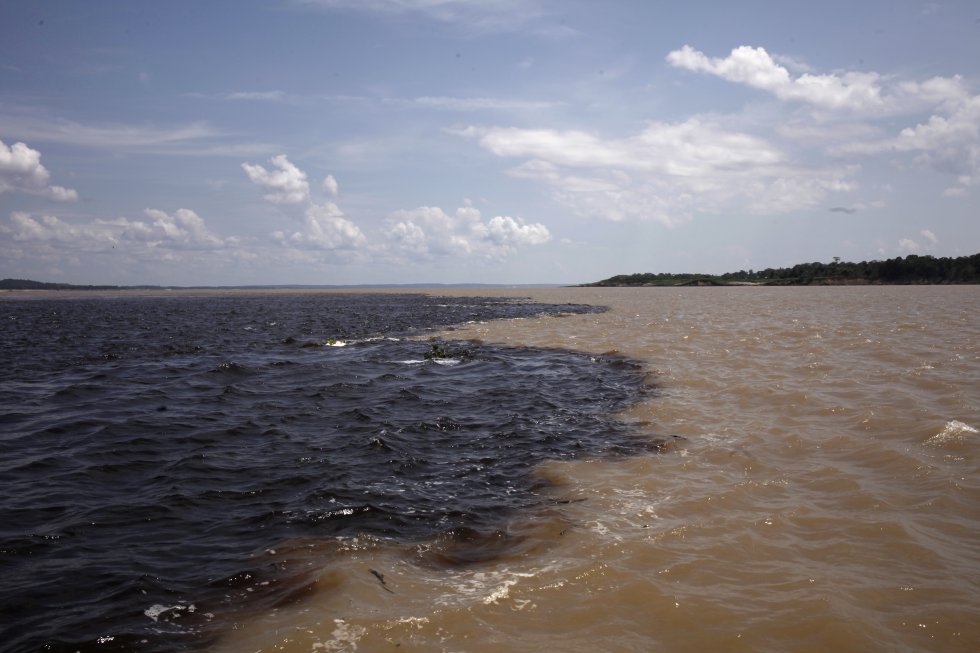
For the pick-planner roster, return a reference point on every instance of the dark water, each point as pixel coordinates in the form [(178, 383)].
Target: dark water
[(155, 449)]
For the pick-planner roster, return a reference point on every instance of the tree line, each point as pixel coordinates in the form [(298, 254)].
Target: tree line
[(912, 269), (28, 284)]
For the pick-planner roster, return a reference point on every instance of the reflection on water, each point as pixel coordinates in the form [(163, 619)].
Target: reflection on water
[(824, 496)]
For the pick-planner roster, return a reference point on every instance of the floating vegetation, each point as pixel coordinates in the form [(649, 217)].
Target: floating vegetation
[(442, 351)]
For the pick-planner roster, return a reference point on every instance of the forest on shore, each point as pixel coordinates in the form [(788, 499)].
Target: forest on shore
[(911, 269)]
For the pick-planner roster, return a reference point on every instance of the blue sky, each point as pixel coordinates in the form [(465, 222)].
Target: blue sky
[(492, 141)]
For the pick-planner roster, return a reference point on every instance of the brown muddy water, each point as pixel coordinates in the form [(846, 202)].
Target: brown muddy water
[(825, 495)]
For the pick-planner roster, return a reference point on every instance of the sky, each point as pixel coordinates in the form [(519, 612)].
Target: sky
[(237, 142)]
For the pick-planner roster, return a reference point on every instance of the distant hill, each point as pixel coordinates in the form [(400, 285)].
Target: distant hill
[(911, 269)]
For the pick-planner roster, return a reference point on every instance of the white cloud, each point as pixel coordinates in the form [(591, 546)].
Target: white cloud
[(792, 64), (948, 144), (908, 246), (928, 235), (61, 194), (429, 232), (941, 132), (803, 131), (192, 139), (183, 230), (174, 245), (479, 103), (791, 190), (665, 173), (946, 92), (326, 229), (689, 148), (474, 15), (287, 182), (103, 136), (947, 141), (262, 96), (507, 233), (331, 186), (25, 228), (21, 171), (258, 96), (756, 68)]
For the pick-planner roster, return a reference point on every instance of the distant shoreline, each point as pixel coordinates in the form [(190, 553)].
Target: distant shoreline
[(29, 286), (819, 281), (911, 270)]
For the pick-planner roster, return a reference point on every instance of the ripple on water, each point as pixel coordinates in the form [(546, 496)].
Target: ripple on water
[(145, 487)]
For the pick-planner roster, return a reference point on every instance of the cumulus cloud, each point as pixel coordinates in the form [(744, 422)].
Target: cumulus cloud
[(175, 245), (287, 182), (507, 233), (665, 172), (24, 228), (182, 230), (939, 132), (61, 194), (429, 232), (669, 172), (331, 186), (945, 92), (326, 228), (756, 68), (426, 232), (947, 141), (862, 92), (21, 171), (948, 144), (908, 246)]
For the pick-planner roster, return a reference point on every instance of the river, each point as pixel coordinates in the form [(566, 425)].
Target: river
[(819, 491)]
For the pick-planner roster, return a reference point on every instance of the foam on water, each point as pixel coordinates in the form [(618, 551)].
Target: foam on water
[(954, 432)]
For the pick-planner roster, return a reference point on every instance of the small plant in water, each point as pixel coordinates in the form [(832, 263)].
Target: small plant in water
[(442, 351)]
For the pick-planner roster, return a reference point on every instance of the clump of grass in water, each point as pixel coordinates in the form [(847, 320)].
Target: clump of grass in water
[(441, 351)]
